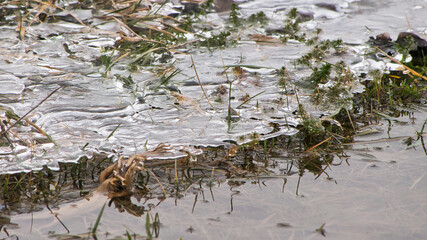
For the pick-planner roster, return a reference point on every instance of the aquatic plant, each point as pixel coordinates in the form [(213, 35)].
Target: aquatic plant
[(98, 220), (319, 50), (152, 228), (322, 74), (291, 28), (258, 18), (393, 89), (219, 40), (235, 18)]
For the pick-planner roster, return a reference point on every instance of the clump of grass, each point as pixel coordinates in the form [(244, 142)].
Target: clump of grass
[(311, 129), (219, 40), (235, 17), (391, 90), (339, 85), (258, 18), (336, 74), (330, 81), (321, 74), (387, 90), (127, 81), (291, 28), (320, 50)]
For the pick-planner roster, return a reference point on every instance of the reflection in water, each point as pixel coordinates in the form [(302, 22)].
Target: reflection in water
[(223, 5), (268, 202)]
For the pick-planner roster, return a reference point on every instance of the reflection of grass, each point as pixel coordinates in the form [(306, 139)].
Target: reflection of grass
[(153, 227), (420, 136), (47, 186)]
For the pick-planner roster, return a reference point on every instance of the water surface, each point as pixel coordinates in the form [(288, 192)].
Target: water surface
[(376, 190)]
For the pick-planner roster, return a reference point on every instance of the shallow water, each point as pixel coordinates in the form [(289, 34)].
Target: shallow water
[(377, 192)]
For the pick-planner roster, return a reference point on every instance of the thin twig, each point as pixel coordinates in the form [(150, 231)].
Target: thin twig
[(32, 109), (351, 121), (174, 27), (40, 130), (254, 96), (159, 30), (315, 146), (122, 56), (161, 186), (321, 170), (200, 83), (111, 134), (57, 218), (183, 44)]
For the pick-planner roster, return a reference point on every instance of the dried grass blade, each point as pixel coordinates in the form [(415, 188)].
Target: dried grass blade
[(174, 27), (136, 34), (32, 109), (40, 130), (315, 146), (159, 30), (200, 83), (254, 96), (161, 186), (122, 56)]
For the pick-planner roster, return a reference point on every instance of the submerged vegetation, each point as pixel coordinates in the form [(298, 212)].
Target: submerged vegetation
[(151, 44)]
